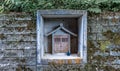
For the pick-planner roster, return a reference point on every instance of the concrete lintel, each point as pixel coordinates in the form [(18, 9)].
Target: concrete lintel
[(61, 13)]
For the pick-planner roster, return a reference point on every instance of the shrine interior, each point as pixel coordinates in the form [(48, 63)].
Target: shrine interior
[(51, 24)]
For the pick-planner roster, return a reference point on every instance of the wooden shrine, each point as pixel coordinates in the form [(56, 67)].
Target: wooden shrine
[(61, 39)]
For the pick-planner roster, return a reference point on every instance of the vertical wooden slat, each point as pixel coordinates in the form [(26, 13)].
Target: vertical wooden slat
[(52, 43), (61, 45), (69, 43)]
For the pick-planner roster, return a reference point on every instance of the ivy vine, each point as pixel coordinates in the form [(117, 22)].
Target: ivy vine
[(93, 6)]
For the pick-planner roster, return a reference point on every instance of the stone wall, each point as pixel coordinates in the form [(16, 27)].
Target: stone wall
[(18, 44), (104, 41)]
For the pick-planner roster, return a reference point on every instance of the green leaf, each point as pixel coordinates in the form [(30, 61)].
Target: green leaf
[(94, 10), (100, 1), (116, 1), (7, 2), (1, 9)]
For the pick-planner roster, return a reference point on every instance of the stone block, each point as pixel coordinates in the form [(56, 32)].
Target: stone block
[(26, 45), (103, 22), (105, 28), (113, 21), (30, 53), (14, 37), (14, 53), (2, 24), (30, 61), (24, 18), (2, 17), (31, 68), (18, 45), (27, 38), (1, 30), (116, 66), (92, 36), (101, 37), (114, 28), (94, 29), (25, 61), (116, 61), (115, 53), (92, 22), (10, 17)]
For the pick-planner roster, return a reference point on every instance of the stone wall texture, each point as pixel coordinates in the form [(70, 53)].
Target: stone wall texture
[(18, 44)]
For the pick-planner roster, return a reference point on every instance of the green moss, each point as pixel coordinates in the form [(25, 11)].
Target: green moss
[(108, 34), (90, 48), (115, 20), (103, 45), (116, 39), (31, 25), (23, 68), (19, 68), (90, 44), (113, 37), (2, 36)]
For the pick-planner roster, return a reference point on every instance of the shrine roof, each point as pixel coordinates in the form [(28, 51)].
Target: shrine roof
[(61, 27)]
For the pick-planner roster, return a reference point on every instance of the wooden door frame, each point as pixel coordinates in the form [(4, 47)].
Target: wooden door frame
[(53, 42)]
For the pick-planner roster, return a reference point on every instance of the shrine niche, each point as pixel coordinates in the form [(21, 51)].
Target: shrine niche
[(61, 39), (60, 32)]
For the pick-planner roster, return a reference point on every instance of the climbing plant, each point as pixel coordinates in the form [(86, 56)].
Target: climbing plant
[(93, 6)]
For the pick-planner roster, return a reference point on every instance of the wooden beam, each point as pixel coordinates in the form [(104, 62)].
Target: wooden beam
[(66, 30), (63, 28)]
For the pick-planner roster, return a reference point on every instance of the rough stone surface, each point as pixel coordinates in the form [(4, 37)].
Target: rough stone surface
[(18, 45), (17, 42)]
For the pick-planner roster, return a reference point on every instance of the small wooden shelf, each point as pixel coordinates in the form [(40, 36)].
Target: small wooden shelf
[(61, 59)]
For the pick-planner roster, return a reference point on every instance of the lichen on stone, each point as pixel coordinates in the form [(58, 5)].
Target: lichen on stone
[(103, 45), (2, 36), (113, 37), (116, 39), (31, 25)]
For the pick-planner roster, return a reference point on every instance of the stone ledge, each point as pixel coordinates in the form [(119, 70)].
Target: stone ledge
[(61, 61)]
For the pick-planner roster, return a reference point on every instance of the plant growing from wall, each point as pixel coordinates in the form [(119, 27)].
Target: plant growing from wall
[(93, 6)]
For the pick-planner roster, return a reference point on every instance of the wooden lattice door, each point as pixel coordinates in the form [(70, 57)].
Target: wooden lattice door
[(61, 43)]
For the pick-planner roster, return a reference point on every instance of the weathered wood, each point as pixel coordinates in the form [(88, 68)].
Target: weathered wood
[(61, 45), (52, 43), (61, 28)]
